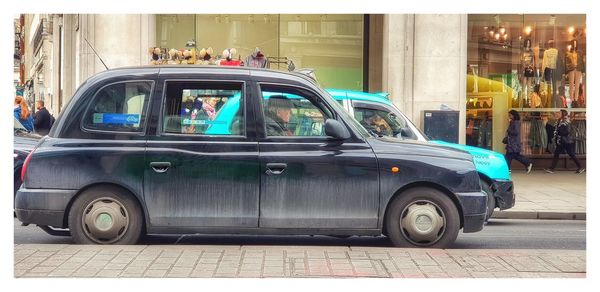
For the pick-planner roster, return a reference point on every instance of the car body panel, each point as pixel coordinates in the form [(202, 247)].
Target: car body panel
[(490, 163)]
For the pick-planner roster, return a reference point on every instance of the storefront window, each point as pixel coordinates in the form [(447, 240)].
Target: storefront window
[(332, 45), (534, 64)]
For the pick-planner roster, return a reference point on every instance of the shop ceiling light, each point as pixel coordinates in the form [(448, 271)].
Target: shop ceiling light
[(527, 30), (571, 30)]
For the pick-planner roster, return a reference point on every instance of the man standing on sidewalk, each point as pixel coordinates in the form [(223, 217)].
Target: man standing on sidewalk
[(42, 120)]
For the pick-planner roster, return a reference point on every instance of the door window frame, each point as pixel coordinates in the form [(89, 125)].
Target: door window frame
[(245, 101), (260, 100), (146, 111)]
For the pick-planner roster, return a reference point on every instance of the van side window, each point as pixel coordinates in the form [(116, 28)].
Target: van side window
[(119, 107), (204, 108), (293, 112)]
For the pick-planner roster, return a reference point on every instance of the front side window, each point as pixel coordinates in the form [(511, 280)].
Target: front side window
[(119, 107), (293, 112), (383, 123), (204, 108)]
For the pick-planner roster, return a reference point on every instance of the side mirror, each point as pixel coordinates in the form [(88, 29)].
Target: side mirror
[(335, 129), (405, 132)]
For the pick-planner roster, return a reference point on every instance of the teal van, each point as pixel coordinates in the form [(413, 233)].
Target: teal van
[(364, 107)]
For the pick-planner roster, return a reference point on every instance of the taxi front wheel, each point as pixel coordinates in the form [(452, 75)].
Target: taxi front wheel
[(422, 217)]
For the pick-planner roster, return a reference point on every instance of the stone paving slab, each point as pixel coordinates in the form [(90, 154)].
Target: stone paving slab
[(40, 261), (541, 195)]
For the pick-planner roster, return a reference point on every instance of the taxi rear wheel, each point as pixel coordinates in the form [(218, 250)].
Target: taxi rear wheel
[(105, 215), (422, 217)]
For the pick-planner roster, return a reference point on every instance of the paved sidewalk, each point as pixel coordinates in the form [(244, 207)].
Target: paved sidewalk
[(38, 260), (541, 195)]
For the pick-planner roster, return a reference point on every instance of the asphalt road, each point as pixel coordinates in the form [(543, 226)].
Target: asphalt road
[(498, 234)]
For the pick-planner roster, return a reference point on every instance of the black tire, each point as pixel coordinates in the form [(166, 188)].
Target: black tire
[(491, 201), (425, 204), (17, 182), (105, 215)]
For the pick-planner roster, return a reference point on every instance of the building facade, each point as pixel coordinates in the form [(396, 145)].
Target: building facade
[(469, 63)]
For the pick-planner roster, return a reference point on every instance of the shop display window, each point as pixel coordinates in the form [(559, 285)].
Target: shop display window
[(533, 63), (331, 45)]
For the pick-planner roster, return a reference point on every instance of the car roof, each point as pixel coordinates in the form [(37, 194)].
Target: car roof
[(216, 69), (380, 97)]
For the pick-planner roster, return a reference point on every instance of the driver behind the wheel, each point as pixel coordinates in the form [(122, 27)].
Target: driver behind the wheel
[(374, 122)]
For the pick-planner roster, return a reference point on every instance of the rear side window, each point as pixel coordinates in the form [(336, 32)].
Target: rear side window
[(119, 107), (204, 108)]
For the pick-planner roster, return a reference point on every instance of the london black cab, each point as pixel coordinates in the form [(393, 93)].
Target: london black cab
[(150, 150)]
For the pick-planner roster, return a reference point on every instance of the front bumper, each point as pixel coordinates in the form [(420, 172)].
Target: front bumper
[(504, 194), (43, 206), (473, 205)]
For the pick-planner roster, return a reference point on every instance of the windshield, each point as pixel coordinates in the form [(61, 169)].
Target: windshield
[(345, 115)]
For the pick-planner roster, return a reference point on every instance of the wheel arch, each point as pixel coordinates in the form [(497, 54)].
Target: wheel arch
[(106, 184), (425, 184)]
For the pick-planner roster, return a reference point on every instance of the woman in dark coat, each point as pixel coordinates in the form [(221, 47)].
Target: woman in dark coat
[(513, 141)]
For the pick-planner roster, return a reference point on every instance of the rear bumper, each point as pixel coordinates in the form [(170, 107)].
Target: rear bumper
[(504, 194), (473, 205), (43, 206)]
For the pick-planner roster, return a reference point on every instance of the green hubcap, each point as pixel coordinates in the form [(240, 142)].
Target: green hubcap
[(105, 220)]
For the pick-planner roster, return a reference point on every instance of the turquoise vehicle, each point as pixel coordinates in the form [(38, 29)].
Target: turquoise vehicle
[(379, 115)]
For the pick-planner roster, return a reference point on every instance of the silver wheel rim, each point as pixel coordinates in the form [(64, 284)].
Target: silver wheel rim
[(422, 223), (105, 220)]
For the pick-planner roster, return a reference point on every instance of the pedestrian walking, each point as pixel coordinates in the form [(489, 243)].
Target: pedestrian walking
[(564, 142), (42, 120), (513, 141), (22, 113)]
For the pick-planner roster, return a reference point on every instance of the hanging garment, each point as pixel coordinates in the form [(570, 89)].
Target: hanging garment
[(579, 134), (538, 135), (485, 134), (549, 59)]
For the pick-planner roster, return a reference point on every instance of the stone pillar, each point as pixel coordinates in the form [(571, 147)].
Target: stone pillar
[(394, 56), (424, 63), (51, 101), (69, 52), (440, 65)]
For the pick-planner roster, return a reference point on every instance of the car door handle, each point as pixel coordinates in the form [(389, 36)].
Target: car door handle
[(275, 168), (160, 167)]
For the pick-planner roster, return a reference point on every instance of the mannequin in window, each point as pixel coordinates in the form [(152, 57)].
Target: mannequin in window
[(549, 69), (573, 69), (527, 63), (257, 59), (228, 55)]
